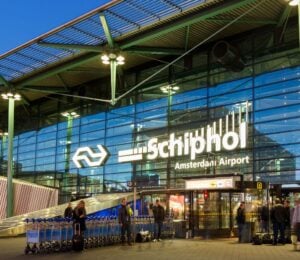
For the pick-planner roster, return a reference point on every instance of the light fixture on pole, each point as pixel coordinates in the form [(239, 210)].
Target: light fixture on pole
[(169, 89), (113, 59), (107, 58), (70, 116), (296, 3), (293, 2), (11, 97)]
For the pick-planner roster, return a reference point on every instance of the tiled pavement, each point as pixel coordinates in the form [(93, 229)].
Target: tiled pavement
[(176, 249)]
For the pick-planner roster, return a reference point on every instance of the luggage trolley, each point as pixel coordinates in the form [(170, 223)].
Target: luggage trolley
[(104, 231), (56, 238), (66, 234), (168, 230), (32, 236), (88, 234)]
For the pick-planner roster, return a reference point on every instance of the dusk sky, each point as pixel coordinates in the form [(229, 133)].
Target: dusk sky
[(24, 20)]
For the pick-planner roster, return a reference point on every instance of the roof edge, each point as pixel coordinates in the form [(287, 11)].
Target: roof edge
[(61, 27)]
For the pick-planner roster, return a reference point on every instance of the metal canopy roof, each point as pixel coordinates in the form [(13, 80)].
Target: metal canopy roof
[(123, 17), (69, 55)]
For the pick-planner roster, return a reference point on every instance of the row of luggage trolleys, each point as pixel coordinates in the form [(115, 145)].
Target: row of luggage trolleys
[(46, 235)]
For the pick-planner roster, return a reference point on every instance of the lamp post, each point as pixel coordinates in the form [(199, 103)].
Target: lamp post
[(296, 3), (114, 60), (70, 116), (12, 97)]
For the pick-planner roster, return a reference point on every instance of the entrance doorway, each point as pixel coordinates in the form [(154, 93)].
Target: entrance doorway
[(209, 214)]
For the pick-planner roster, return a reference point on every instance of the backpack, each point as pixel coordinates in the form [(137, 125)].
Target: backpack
[(256, 240)]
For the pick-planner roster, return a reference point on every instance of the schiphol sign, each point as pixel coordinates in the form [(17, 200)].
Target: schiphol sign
[(189, 144), (207, 139)]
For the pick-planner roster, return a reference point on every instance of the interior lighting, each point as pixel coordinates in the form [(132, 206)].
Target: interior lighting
[(107, 58), (3, 134)]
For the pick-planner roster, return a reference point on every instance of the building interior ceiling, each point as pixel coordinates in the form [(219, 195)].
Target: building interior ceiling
[(68, 57)]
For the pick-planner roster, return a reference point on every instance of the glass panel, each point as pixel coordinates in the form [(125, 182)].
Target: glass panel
[(225, 210), (208, 209), (277, 88), (229, 87), (277, 76), (229, 98), (177, 206), (278, 126), (278, 101), (277, 113)]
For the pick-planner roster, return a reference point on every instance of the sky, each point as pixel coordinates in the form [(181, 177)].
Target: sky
[(24, 20)]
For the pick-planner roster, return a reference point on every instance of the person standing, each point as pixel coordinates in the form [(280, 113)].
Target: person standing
[(68, 211), (296, 219), (288, 222), (264, 218), (125, 221), (278, 218), (241, 219), (79, 216), (159, 217)]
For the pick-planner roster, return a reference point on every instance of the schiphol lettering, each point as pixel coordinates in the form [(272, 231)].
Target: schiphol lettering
[(193, 144), (223, 161)]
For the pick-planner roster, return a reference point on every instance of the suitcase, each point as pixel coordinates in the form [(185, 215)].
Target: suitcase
[(267, 239), (256, 239), (77, 239), (143, 236)]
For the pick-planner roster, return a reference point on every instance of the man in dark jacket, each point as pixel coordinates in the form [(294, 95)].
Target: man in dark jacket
[(278, 218), (264, 218), (159, 217), (241, 219), (124, 220)]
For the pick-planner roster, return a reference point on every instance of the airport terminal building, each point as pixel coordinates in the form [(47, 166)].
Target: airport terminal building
[(203, 113)]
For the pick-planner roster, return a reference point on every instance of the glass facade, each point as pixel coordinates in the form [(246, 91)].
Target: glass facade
[(269, 102)]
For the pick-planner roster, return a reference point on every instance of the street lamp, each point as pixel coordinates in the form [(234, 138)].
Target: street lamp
[(169, 89), (294, 2), (11, 97), (113, 59), (70, 116)]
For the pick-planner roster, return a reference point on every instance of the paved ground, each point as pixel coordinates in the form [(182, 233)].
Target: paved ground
[(177, 249)]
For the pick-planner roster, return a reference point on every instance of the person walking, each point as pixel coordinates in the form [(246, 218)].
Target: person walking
[(125, 221), (240, 220), (278, 218), (159, 217)]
